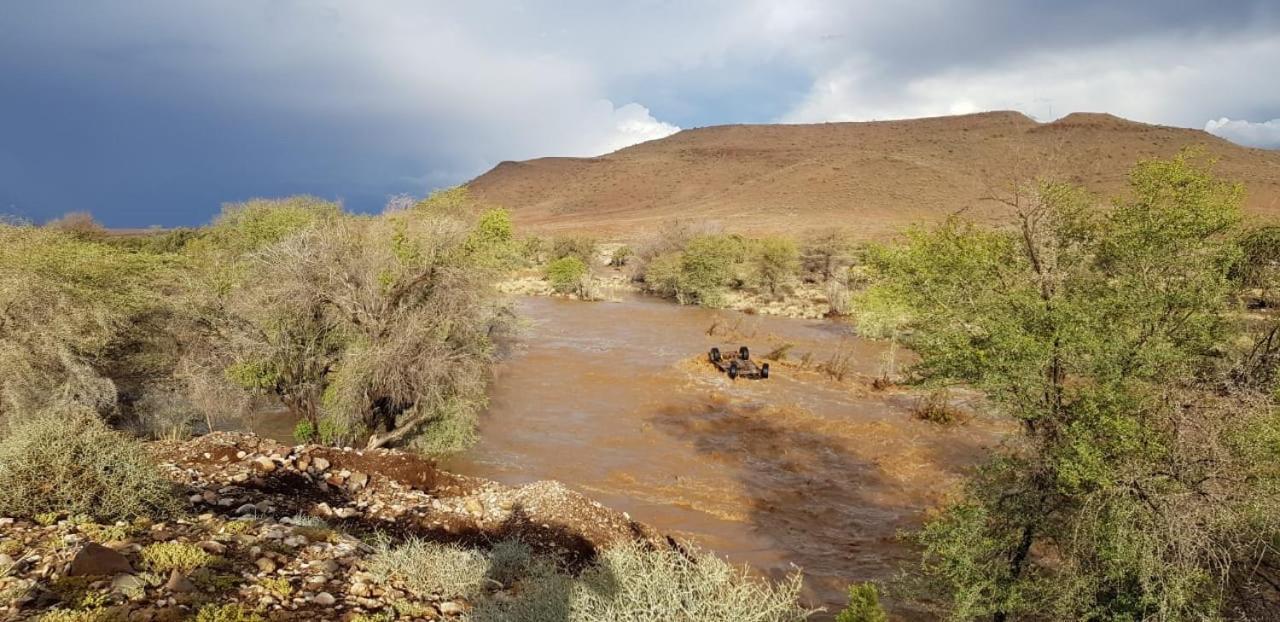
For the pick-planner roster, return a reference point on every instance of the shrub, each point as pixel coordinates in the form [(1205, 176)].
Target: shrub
[(71, 462), (825, 254), (69, 309), (430, 568), (936, 408), (774, 264), (280, 587), (226, 613), (699, 274), (568, 275), (620, 256), (383, 326), (662, 275), (110, 614), (631, 584), (79, 224), (864, 605), (580, 246), (163, 557), (510, 560), (491, 240), (534, 249)]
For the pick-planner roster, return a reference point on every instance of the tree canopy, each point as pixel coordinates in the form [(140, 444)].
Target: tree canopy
[(1143, 483)]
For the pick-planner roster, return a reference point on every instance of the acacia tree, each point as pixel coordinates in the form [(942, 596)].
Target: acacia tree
[(374, 327), (1133, 491), (70, 308)]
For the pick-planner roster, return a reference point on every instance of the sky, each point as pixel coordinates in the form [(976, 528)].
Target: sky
[(155, 112)]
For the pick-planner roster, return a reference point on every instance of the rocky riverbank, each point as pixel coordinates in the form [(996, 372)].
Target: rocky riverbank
[(286, 533)]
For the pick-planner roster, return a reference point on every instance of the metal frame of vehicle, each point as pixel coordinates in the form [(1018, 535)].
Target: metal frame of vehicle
[(738, 364)]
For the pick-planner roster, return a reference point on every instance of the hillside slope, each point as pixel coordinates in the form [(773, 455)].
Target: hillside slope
[(873, 177)]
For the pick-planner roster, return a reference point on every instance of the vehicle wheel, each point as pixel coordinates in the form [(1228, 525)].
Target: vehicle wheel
[(733, 370), (744, 353), (715, 355), (764, 370)]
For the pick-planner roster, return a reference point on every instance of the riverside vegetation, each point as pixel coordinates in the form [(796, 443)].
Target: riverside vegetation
[(373, 331), (1144, 483)]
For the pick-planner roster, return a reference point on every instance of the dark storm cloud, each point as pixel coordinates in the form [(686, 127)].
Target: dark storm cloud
[(155, 112)]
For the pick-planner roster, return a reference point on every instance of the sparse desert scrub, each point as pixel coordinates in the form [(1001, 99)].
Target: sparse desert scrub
[(70, 309), (582, 247), (632, 583), (69, 461), (825, 254), (163, 557), (774, 264), (431, 568), (839, 365), (621, 256), (936, 408)]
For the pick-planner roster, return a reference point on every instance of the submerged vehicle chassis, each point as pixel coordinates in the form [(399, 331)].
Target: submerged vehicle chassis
[(738, 364)]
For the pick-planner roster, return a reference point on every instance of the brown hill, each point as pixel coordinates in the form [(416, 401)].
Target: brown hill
[(872, 177)]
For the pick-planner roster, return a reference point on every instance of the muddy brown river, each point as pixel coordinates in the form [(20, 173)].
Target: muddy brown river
[(617, 400)]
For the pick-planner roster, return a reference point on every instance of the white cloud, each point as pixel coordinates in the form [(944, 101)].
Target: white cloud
[(634, 124), (1175, 81), (1265, 134)]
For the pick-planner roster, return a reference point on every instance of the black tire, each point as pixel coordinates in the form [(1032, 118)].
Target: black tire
[(764, 371), (744, 353), (733, 370), (715, 355)]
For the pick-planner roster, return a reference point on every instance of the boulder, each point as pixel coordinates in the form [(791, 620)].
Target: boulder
[(95, 560)]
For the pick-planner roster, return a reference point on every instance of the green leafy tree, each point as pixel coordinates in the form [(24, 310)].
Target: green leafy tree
[(568, 275), (1132, 486), (700, 273)]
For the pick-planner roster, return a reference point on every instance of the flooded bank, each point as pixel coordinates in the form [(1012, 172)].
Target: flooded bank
[(618, 401)]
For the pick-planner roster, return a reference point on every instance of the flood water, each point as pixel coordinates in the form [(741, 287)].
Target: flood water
[(617, 400)]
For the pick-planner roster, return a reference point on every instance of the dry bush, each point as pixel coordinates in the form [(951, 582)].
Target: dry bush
[(69, 461), (840, 364), (936, 408), (839, 297), (632, 584), (670, 236), (780, 353), (68, 309), (79, 224), (774, 263), (582, 247), (430, 568), (385, 325), (825, 254)]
